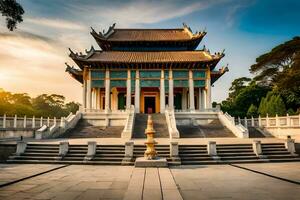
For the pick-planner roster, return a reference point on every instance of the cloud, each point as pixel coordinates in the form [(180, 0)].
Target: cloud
[(34, 64), (56, 23), (143, 12)]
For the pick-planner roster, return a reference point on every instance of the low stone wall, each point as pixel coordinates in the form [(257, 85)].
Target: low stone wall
[(6, 150), (283, 132), (105, 119), (194, 118), (16, 133)]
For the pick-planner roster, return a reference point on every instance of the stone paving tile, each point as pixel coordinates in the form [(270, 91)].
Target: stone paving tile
[(12, 172), (227, 182), (290, 171)]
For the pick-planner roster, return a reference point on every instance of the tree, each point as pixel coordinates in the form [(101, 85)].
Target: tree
[(252, 111), (272, 104), (72, 107), (13, 12), (237, 85)]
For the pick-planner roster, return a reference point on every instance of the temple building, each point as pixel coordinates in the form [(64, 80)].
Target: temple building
[(150, 69)]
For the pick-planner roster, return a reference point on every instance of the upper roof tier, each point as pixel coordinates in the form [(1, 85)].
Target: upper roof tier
[(148, 39)]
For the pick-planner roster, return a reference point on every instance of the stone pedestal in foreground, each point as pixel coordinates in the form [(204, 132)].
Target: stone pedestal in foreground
[(157, 162)]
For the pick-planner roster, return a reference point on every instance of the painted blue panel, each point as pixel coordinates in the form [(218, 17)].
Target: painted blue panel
[(166, 74), (98, 74), (180, 74), (181, 83), (149, 83), (117, 83), (198, 74), (132, 74), (132, 85), (150, 74), (97, 83), (166, 85), (118, 74), (199, 83)]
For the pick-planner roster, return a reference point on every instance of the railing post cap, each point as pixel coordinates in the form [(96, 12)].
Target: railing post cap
[(174, 143), (256, 141), (128, 143), (63, 142), (211, 142), (92, 142)]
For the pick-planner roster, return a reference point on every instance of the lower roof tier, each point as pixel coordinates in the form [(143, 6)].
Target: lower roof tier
[(151, 59)]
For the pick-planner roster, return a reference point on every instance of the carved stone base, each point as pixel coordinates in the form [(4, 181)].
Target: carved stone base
[(158, 162)]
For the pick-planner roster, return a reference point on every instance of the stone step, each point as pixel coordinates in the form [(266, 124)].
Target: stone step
[(234, 157), (236, 154), (275, 152), (194, 162), (33, 157)]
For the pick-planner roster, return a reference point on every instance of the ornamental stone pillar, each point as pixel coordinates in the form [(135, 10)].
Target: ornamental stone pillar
[(184, 99), (89, 91), (191, 91), (137, 92), (171, 90), (84, 88), (162, 92), (107, 91), (200, 99), (208, 95), (128, 90), (204, 94)]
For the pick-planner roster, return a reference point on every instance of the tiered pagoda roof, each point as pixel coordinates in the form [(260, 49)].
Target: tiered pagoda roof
[(116, 54)]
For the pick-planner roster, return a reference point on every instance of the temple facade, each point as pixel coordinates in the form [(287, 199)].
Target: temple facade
[(150, 69)]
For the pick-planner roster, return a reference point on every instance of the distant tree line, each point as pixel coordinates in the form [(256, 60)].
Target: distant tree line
[(44, 105), (275, 88)]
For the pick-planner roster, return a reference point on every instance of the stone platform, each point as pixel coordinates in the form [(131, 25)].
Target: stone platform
[(158, 162)]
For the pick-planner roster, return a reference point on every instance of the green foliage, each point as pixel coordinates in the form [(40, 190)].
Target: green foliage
[(43, 105), (272, 105), (239, 104), (252, 111), (13, 12), (277, 71)]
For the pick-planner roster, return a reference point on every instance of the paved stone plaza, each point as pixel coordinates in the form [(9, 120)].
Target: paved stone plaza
[(127, 182)]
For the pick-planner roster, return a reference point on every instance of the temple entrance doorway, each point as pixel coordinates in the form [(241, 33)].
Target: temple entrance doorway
[(149, 105)]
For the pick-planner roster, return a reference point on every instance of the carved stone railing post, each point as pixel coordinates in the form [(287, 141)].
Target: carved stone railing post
[(288, 120), (4, 121), (256, 145), (92, 146), (15, 121), (41, 121), (63, 149), (129, 146), (174, 152), (25, 122), (33, 122), (246, 123), (267, 120), (277, 124), (290, 145), (48, 121), (21, 147), (212, 150), (259, 121), (252, 121)]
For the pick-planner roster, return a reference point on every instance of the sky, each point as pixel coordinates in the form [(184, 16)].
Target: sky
[(32, 57)]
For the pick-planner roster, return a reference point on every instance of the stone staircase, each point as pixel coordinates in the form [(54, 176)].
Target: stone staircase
[(159, 123), (237, 153), (276, 152), (194, 155), (85, 130), (189, 154), (108, 155), (37, 153), (211, 130)]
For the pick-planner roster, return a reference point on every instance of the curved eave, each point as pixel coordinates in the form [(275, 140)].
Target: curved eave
[(215, 75), (76, 74)]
